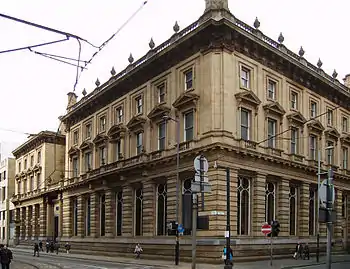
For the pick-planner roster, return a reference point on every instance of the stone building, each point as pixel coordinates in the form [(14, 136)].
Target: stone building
[(38, 175), (238, 97), (7, 188)]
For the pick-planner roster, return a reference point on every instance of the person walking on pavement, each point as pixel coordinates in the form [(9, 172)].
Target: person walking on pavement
[(36, 249), (47, 245), (227, 255), (67, 247), (41, 246), (138, 250), (57, 247), (5, 257)]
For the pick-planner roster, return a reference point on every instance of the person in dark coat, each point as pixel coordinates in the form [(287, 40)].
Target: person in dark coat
[(47, 245), (41, 246), (5, 257), (36, 249)]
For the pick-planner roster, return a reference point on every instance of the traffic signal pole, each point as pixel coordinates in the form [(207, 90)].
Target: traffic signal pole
[(329, 199)]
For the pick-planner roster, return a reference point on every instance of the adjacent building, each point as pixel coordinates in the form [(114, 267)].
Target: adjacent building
[(236, 96), (39, 173), (7, 188)]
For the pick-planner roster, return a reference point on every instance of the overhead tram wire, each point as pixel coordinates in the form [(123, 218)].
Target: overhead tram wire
[(287, 130), (79, 75)]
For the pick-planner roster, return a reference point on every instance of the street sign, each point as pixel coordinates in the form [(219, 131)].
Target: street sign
[(197, 178), (197, 164), (200, 187), (266, 229), (323, 194)]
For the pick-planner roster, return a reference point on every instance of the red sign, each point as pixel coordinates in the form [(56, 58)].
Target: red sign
[(266, 229)]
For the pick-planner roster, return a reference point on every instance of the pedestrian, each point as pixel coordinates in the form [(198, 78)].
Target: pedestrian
[(5, 257), (227, 255), (36, 249), (138, 250), (41, 246), (67, 247), (57, 247), (47, 246)]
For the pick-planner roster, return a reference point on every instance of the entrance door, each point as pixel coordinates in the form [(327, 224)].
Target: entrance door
[(56, 227)]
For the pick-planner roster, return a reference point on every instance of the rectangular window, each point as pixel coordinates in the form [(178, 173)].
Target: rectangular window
[(119, 115), (103, 156), (103, 122), (312, 147), (19, 167), (329, 116), (245, 78), (118, 150), (245, 124), (88, 161), (313, 109), (161, 93), (294, 100), (139, 143), (75, 166), (139, 105), (102, 215), (271, 132), (25, 164), (330, 152), (75, 217), (88, 130), (294, 140), (188, 79), (271, 89), (31, 161), (345, 127), (88, 217), (188, 126), (345, 158), (39, 157), (75, 137), (161, 136)]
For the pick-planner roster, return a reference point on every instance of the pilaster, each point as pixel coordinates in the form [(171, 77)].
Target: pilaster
[(42, 219), (149, 196), (304, 209), (338, 208), (171, 197), (34, 222), (68, 217), (127, 210), (258, 203), (80, 216), (110, 212), (233, 199), (94, 199), (283, 207), (18, 220), (23, 223)]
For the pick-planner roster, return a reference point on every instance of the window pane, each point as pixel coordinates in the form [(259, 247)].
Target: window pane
[(189, 120)]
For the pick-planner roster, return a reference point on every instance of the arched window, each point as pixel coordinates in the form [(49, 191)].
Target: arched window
[(102, 215), (138, 211), (187, 206), (270, 202), (243, 205), (293, 213), (88, 216), (312, 211), (119, 212), (161, 209), (75, 216)]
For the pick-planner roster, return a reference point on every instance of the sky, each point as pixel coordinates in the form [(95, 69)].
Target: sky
[(33, 91)]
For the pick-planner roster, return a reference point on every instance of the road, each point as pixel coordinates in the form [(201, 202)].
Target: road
[(343, 265), (52, 261)]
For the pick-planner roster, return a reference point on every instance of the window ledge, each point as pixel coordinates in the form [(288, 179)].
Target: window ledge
[(274, 151), (296, 157)]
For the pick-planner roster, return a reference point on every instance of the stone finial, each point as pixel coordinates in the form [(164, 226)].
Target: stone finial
[(151, 44), (84, 92), (131, 59), (319, 63), (176, 27), (256, 23), (280, 38), (301, 52), (216, 5), (335, 74), (97, 83), (113, 71)]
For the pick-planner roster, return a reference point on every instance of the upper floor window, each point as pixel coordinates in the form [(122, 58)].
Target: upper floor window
[(75, 137), (4, 175), (312, 147), (19, 167), (245, 124), (25, 164), (88, 130), (313, 109), (103, 122), (139, 105), (330, 152), (345, 126), (329, 116), (39, 156), (118, 150), (189, 126), (139, 143), (161, 136), (271, 132), (345, 158), (88, 161), (294, 100), (271, 89), (294, 140), (31, 160), (245, 77), (103, 155), (75, 165), (188, 79), (161, 93), (119, 115)]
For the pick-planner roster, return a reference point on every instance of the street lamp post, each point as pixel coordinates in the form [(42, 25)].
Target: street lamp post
[(177, 240), (319, 173)]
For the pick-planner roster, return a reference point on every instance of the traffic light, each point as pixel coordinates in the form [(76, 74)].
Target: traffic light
[(275, 229)]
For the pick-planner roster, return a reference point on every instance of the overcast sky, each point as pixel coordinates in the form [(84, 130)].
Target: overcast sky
[(34, 89)]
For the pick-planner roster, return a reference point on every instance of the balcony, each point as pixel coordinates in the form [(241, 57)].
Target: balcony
[(296, 158), (274, 151), (247, 144)]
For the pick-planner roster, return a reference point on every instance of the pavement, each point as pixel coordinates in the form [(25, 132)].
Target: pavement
[(23, 259)]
